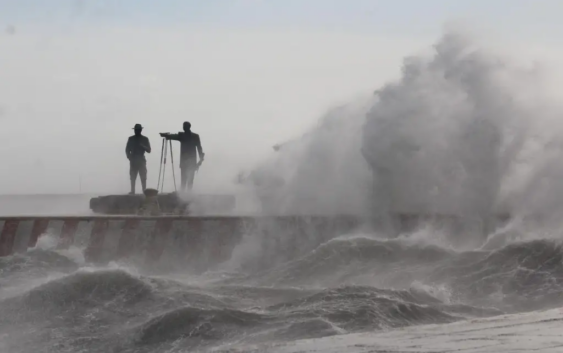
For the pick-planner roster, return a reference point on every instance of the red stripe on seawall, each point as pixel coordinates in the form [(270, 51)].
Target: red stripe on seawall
[(67, 233), (127, 238), (8, 236), (95, 246), (158, 239), (39, 227)]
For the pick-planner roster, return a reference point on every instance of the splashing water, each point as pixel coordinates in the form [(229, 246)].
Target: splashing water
[(461, 132)]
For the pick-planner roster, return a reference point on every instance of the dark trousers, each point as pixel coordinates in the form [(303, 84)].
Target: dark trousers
[(187, 173), (138, 167)]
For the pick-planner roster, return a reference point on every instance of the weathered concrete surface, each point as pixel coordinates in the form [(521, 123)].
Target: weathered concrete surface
[(196, 243), (530, 332), (169, 203)]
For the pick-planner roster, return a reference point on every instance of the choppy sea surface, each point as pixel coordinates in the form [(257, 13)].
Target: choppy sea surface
[(462, 131), (52, 301)]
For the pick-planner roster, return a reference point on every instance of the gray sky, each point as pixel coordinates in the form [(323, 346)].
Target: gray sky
[(75, 76)]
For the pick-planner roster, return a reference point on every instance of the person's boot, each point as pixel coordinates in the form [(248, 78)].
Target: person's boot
[(144, 184)]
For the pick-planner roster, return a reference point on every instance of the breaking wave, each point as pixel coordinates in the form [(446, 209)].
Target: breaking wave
[(462, 131), (345, 285), (453, 134)]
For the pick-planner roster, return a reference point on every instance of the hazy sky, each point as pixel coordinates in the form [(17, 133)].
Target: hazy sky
[(75, 76)]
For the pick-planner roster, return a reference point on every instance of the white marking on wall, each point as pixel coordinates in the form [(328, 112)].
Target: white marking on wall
[(22, 236), (82, 235), (49, 239), (111, 240)]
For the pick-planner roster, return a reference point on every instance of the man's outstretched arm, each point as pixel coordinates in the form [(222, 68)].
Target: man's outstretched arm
[(170, 136)]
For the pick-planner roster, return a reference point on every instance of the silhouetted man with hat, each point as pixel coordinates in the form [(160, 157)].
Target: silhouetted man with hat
[(135, 150), (190, 143)]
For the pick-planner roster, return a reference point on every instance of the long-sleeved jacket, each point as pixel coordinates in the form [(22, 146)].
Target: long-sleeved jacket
[(189, 143), (137, 146)]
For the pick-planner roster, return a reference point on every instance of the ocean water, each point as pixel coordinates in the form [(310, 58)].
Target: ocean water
[(51, 301), (461, 131)]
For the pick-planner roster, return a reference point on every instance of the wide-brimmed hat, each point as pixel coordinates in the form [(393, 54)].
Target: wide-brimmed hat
[(138, 126)]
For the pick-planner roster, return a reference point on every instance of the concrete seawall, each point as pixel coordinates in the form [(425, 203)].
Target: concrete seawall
[(199, 242), (194, 241)]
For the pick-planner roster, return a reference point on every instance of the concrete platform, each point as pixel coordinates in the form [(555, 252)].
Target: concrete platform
[(169, 203), (530, 332)]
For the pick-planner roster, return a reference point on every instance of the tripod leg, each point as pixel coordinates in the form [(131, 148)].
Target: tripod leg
[(160, 166), (172, 163), (164, 166)]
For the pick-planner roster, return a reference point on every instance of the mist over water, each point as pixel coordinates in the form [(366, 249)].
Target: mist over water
[(461, 131), (320, 172)]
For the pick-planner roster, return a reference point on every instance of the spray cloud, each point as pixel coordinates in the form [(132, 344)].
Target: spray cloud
[(461, 132)]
